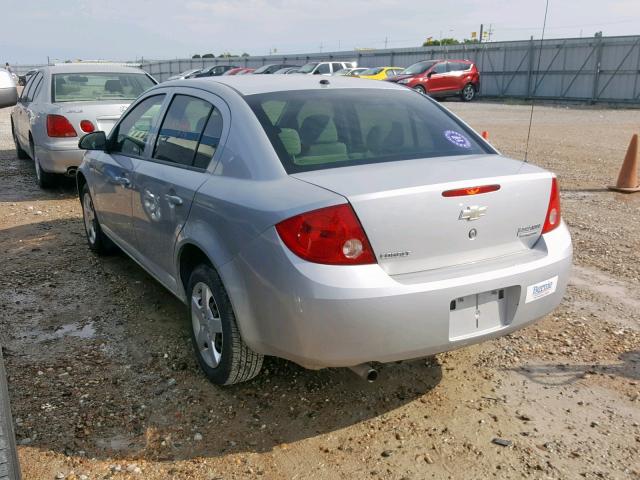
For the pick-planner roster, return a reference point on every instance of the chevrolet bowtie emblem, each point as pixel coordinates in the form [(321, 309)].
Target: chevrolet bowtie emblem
[(472, 213)]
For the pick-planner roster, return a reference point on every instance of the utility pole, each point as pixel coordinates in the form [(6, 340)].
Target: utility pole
[(490, 31), (481, 29), (320, 47), (386, 41)]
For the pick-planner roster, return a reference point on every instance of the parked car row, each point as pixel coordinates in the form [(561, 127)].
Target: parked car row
[(437, 78)]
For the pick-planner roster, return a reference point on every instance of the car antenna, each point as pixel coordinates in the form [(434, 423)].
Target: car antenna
[(535, 86)]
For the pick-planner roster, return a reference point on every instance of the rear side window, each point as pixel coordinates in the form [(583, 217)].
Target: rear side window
[(323, 68), (337, 66), (29, 87), (131, 134), (316, 129), (458, 66), (181, 130)]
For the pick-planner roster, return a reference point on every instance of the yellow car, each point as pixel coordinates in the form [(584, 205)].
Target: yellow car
[(380, 73)]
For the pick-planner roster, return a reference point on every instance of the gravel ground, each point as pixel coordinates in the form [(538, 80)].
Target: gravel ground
[(104, 385)]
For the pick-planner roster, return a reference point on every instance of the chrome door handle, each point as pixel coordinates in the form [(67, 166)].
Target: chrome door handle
[(173, 199)]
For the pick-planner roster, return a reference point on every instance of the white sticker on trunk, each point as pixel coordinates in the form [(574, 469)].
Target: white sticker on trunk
[(542, 289)]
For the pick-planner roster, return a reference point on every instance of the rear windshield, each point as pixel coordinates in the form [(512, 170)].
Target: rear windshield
[(86, 87), (317, 129)]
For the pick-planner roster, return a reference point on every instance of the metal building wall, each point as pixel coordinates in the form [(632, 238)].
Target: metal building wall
[(596, 69)]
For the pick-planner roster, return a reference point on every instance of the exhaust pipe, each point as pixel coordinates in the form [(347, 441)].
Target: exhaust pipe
[(71, 171), (365, 371)]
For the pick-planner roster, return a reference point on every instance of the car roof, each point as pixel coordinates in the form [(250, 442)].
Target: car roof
[(255, 84), (89, 68)]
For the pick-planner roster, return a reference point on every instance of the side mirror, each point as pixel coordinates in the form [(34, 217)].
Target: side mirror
[(8, 90), (430, 74), (93, 141)]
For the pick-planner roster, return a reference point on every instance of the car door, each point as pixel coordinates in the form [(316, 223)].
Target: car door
[(112, 170), (438, 81), (22, 118), (167, 181)]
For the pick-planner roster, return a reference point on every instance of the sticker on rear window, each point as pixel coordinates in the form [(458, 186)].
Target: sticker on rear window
[(458, 139)]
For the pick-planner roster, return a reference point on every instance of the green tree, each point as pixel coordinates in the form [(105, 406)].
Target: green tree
[(208, 55), (196, 56), (245, 54)]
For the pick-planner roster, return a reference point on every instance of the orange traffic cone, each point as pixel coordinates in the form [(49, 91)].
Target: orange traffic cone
[(628, 177), (485, 135)]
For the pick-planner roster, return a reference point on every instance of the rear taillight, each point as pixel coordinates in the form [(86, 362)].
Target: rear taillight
[(553, 212), (86, 126), (331, 235), (59, 126)]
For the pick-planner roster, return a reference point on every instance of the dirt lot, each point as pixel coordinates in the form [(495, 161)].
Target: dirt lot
[(104, 385)]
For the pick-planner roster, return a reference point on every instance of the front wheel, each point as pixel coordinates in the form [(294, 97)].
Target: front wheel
[(220, 350), (419, 89), (20, 152), (468, 93)]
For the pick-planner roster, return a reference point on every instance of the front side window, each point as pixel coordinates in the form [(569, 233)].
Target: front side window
[(316, 129), (181, 139), (88, 87), (440, 68), (131, 134)]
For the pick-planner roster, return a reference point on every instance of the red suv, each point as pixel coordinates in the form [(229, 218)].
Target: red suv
[(442, 78)]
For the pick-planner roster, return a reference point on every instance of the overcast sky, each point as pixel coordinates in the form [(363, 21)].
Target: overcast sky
[(31, 30)]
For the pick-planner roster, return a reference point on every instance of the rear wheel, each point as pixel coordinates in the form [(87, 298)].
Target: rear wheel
[(220, 350), (419, 89), (20, 152), (468, 93), (44, 179), (97, 240)]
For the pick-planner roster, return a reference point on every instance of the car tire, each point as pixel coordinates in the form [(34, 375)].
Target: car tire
[(420, 89), (44, 179), (9, 465), (20, 152), (468, 93), (96, 238), (221, 353)]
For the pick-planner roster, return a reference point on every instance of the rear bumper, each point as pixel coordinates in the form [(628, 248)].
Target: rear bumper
[(329, 316), (59, 161)]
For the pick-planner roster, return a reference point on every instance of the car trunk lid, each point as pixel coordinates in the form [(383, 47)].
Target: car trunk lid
[(102, 115), (412, 227)]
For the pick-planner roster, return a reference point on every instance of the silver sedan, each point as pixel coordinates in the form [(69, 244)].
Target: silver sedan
[(323, 220), (59, 103)]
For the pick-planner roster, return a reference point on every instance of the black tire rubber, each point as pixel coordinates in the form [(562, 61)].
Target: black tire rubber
[(472, 89), (238, 362), (44, 179), (20, 152), (420, 89), (102, 244), (9, 465)]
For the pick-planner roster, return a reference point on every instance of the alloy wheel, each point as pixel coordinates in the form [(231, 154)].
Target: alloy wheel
[(206, 324), (468, 92), (89, 215)]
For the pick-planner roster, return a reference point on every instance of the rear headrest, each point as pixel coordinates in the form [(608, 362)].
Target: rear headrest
[(318, 129), (113, 86), (291, 141)]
